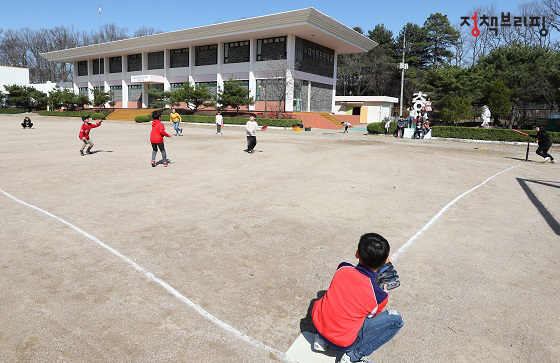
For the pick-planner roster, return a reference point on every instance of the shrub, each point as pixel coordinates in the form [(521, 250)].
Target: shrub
[(75, 113), (379, 128), (98, 115), (143, 118), (12, 110), (471, 133)]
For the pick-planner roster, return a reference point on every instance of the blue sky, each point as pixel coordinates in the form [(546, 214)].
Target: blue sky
[(171, 15)]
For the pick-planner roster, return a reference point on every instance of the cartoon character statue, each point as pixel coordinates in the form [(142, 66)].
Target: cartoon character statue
[(485, 117)]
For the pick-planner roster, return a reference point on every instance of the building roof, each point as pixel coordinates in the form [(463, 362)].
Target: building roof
[(307, 23), (361, 99)]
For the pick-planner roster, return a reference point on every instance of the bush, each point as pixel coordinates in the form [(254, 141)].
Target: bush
[(92, 113), (379, 128), (227, 120), (143, 118), (469, 133), (12, 110), (98, 115)]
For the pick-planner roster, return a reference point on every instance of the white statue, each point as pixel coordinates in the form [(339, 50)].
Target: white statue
[(419, 100), (486, 115)]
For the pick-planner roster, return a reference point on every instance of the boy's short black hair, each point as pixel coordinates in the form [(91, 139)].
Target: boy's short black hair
[(156, 114), (85, 117), (373, 250)]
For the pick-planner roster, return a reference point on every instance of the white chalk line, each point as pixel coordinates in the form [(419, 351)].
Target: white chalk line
[(162, 283), (414, 238)]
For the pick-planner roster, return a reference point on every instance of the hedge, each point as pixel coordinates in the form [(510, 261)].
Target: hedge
[(379, 128), (12, 110), (476, 133), (227, 120), (93, 115)]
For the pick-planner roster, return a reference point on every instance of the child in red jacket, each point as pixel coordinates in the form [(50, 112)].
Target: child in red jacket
[(350, 316), (84, 134), (156, 138)]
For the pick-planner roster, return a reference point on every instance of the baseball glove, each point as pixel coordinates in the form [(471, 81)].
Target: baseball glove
[(387, 275)]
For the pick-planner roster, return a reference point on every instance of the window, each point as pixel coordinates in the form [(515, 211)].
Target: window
[(236, 52), (206, 55), (155, 60), (135, 86), (83, 90), (134, 62), (82, 68), (179, 58), (176, 85), (115, 64), (116, 88), (98, 66), (99, 88), (271, 48)]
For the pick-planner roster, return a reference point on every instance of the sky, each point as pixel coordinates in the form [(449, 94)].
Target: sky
[(171, 15)]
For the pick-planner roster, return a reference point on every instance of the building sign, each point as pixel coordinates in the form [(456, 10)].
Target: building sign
[(146, 78), (506, 20), (314, 58)]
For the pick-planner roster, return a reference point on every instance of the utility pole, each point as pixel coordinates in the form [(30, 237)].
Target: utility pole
[(402, 66)]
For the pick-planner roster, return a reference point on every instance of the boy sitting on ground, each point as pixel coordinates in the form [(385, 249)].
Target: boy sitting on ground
[(350, 316)]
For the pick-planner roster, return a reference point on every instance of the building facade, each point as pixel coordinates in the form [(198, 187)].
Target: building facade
[(292, 53)]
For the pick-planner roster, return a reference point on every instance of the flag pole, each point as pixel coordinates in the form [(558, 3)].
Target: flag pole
[(99, 47)]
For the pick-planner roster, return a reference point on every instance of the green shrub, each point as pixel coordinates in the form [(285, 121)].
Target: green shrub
[(12, 110), (476, 133), (229, 120), (143, 118), (98, 115), (379, 128)]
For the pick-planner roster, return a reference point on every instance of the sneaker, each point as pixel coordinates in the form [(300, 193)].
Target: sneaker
[(246, 150), (346, 359), (546, 159), (251, 151), (89, 152), (320, 344), (552, 161), (82, 152), (165, 164)]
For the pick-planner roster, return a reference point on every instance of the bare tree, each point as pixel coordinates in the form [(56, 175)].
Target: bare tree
[(277, 83), (144, 30), (553, 10)]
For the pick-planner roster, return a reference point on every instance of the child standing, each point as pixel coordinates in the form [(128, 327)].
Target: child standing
[(84, 134), (350, 316), (251, 128), (219, 123), (175, 119), (156, 138)]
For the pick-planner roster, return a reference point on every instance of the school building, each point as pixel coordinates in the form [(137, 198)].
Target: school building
[(302, 44)]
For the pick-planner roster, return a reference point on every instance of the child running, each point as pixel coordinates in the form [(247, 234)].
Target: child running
[(84, 134), (156, 138), (175, 119), (350, 316)]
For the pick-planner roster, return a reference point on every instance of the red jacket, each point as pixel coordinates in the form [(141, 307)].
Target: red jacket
[(84, 131), (352, 297), (158, 132)]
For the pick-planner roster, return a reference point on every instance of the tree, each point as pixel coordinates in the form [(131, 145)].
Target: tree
[(277, 83), (144, 31), (440, 36), (158, 98), (458, 109), (26, 97), (499, 100), (2, 97), (100, 98), (417, 46), (234, 95)]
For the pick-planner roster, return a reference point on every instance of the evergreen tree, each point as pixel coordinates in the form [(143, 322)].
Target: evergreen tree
[(441, 37)]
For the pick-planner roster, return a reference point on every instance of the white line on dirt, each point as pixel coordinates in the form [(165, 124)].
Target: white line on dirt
[(163, 284), (414, 238), (471, 160)]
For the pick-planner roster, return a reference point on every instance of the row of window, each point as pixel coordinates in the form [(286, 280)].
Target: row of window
[(234, 52)]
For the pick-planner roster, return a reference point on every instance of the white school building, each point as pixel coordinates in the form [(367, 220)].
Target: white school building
[(302, 44)]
